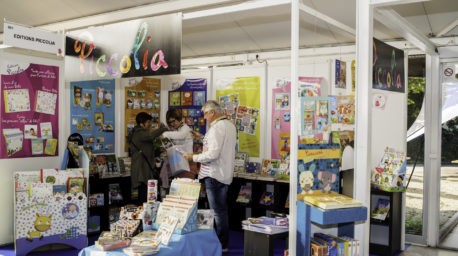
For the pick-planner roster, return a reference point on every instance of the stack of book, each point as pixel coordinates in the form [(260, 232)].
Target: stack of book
[(332, 200), (144, 243), (266, 225), (111, 241)]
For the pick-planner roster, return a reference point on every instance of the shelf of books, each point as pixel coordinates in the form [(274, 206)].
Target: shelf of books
[(344, 218), (255, 198), (385, 228)]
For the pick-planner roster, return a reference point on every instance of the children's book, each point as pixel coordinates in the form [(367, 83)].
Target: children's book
[(205, 218), (16, 100), (92, 201), (331, 200), (381, 210), (240, 162), (76, 185), (330, 242), (185, 187), (166, 229), (346, 109), (114, 193), (175, 99), (125, 166), (267, 198), (186, 98), (13, 139), (37, 146), (253, 167), (244, 194), (199, 98), (277, 221), (93, 224), (45, 102), (50, 148), (113, 214), (59, 189), (318, 248)]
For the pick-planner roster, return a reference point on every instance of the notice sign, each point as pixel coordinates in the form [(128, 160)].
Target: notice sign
[(32, 38)]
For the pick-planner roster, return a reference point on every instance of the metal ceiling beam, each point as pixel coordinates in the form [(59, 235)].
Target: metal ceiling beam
[(245, 6), (379, 3), (132, 13), (326, 19), (447, 28), (398, 24)]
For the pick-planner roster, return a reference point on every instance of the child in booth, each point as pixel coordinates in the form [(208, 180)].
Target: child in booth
[(180, 134)]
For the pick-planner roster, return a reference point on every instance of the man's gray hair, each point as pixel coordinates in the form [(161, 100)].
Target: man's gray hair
[(212, 105)]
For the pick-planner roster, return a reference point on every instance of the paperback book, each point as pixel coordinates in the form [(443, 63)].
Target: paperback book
[(382, 209)]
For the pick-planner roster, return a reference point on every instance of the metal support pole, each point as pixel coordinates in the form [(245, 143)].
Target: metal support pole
[(363, 125)]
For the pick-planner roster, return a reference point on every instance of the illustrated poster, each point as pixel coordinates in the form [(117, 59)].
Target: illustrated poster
[(341, 74), (189, 98), (318, 168), (315, 119), (281, 100), (30, 113), (241, 102), (92, 107), (141, 96), (387, 67)]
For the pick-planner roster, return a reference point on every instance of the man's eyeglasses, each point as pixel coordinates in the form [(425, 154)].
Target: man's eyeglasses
[(169, 122)]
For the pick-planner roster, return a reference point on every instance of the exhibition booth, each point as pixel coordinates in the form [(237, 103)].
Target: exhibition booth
[(69, 101)]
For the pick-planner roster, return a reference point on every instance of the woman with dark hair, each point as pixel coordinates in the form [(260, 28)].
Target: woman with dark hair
[(180, 134), (141, 142)]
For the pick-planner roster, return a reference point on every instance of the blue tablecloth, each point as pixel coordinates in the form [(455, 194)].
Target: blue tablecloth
[(201, 242)]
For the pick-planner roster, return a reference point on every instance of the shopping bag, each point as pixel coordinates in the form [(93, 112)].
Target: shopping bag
[(177, 161)]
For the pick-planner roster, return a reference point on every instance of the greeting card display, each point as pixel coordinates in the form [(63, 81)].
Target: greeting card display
[(390, 173), (92, 113), (29, 113)]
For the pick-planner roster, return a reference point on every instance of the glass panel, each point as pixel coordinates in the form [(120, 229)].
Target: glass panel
[(415, 156), (449, 170)]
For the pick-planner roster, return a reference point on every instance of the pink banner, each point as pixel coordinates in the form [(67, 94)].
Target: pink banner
[(29, 113)]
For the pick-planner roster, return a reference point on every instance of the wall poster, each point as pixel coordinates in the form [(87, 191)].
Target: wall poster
[(143, 96), (281, 98), (190, 98), (92, 105), (315, 119), (30, 113), (387, 67), (341, 74), (241, 103)]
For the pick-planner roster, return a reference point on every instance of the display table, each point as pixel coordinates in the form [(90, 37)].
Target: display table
[(201, 242)]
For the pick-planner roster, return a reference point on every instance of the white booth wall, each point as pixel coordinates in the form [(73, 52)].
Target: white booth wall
[(389, 124)]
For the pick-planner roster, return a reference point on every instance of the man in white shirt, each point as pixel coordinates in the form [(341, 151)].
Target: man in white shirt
[(217, 164)]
